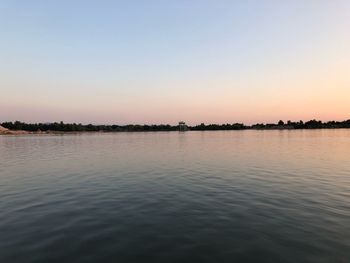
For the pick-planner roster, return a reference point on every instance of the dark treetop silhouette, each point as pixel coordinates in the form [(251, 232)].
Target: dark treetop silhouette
[(74, 127)]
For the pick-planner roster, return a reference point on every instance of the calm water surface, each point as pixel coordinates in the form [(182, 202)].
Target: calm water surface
[(223, 196)]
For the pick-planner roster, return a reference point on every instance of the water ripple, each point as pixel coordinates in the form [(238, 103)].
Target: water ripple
[(231, 196)]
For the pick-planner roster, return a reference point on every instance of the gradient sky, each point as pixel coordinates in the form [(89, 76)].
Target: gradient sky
[(164, 61)]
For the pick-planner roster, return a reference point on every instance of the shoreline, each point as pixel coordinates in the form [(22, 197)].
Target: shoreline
[(18, 127), (23, 132)]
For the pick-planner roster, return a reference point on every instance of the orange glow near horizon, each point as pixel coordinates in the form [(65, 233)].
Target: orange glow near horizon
[(234, 63)]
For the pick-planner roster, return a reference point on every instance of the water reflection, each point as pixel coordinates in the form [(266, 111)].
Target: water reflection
[(247, 196)]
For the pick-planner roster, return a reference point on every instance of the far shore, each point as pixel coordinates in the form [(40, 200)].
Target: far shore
[(20, 128), (5, 131), (22, 132)]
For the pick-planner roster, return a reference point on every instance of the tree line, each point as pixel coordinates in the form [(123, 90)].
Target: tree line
[(74, 127)]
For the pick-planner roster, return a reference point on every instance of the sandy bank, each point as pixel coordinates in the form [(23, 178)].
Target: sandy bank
[(5, 131)]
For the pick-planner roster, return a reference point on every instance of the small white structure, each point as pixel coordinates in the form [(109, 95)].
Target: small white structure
[(182, 126)]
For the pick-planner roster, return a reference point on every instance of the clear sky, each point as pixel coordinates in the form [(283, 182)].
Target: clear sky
[(164, 61)]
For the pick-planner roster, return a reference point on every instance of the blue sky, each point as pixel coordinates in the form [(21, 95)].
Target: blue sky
[(162, 61)]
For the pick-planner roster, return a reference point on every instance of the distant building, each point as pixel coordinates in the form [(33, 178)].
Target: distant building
[(182, 126)]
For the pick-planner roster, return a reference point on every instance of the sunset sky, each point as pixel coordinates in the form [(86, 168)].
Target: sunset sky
[(164, 61)]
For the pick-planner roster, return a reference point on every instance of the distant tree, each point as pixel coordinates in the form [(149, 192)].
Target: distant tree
[(71, 127)]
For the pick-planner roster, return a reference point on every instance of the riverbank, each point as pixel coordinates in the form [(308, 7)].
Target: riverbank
[(61, 127), (5, 131)]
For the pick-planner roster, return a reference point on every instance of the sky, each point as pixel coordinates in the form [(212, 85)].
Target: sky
[(152, 62)]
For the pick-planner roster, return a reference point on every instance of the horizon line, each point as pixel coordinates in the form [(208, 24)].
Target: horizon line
[(161, 123)]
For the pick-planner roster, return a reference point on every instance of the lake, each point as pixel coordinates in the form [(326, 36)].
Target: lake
[(220, 196)]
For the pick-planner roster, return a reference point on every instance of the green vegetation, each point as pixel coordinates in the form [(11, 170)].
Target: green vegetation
[(73, 127)]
